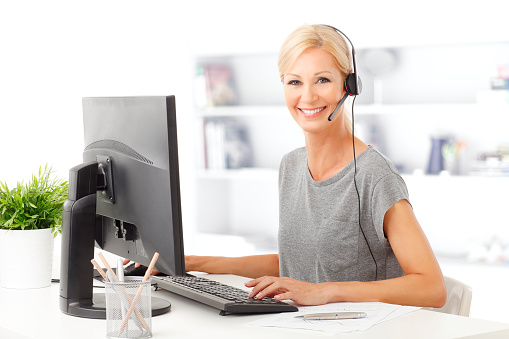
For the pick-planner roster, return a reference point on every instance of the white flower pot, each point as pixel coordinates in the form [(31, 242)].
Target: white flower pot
[(26, 258)]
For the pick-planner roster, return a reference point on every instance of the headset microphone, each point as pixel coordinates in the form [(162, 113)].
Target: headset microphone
[(353, 84), (338, 106)]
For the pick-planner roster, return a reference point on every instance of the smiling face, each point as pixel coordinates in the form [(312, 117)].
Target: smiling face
[(313, 86)]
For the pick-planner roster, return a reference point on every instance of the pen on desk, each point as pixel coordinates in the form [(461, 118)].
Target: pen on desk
[(334, 316)]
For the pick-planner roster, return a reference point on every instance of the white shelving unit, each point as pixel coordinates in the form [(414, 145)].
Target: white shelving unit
[(468, 109), (481, 126), (413, 110)]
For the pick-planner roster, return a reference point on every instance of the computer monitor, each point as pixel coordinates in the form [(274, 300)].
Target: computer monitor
[(124, 198)]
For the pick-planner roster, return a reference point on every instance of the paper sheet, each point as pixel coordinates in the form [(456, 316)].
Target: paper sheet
[(376, 312)]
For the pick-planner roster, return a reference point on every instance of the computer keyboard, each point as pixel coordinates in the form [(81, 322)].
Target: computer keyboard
[(226, 298)]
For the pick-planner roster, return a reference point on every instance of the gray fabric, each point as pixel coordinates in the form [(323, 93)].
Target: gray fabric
[(319, 235)]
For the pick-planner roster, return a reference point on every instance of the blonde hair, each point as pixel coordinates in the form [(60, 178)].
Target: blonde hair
[(316, 36)]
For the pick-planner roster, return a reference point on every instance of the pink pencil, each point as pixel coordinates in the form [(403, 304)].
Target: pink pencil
[(138, 293), (108, 267), (99, 269)]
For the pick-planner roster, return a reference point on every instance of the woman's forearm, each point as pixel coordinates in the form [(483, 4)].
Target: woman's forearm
[(413, 290), (250, 266)]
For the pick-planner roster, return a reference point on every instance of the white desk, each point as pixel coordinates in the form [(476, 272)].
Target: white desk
[(35, 314)]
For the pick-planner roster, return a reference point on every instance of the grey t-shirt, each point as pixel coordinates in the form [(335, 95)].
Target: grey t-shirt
[(319, 235)]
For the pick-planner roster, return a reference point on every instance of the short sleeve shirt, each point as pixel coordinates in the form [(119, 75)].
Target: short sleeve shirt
[(320, 233)]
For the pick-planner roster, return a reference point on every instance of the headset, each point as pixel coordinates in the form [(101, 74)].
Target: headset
[(353, 84), (353, 87)]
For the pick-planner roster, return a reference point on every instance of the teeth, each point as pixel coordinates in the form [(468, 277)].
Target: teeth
[(313, 111)]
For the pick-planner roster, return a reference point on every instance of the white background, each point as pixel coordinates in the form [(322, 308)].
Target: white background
[(53, 53)]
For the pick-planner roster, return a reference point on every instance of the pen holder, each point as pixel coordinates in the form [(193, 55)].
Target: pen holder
[(128, 309)]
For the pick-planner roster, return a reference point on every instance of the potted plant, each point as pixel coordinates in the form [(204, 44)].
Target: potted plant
[(30, 219)]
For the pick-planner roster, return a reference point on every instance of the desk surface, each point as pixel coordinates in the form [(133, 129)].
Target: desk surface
[(35, 314)]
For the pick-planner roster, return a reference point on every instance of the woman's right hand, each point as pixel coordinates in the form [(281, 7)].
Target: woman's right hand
[(136, 265), (253, 266), (191, 262)]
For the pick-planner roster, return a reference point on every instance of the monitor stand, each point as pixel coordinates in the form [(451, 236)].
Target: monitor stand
[(78, 240)]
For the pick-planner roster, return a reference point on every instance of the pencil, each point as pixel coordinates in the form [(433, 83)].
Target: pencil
[(99, 269), (138, 314), (108, 267), (138, 293)]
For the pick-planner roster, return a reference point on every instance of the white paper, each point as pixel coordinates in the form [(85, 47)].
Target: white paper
[(401, 310), (376, 312)]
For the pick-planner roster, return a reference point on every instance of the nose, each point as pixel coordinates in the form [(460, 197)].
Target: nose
[(308, 94)]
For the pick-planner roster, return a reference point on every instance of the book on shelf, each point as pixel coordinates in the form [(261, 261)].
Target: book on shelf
[(503, 71), (499, 83), (499, 88), (214, 86), (495, 163), (227, 144)]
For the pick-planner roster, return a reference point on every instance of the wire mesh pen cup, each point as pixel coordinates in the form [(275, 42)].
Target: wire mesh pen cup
[(128, 309)]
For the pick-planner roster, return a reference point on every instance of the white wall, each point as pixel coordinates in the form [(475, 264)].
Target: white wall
[(56, 52)]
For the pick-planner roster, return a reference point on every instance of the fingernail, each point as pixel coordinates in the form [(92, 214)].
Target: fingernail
[(259, 295)]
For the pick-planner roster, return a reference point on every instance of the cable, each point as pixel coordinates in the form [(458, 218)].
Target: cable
[(357, 92), (357, 190)]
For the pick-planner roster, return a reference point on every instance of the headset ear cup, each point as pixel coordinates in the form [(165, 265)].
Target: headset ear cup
[(353, 84), (359, 85)]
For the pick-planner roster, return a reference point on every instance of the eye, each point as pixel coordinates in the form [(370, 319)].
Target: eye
[(294, 82), (322, 80)]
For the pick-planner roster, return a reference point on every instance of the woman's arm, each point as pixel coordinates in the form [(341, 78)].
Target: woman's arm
[(250, 266), (422, 284)]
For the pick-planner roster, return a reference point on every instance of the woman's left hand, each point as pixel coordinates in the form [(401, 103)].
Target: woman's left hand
[(303, 293)]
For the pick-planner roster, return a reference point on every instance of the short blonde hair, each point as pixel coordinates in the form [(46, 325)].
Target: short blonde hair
[(323, 37)]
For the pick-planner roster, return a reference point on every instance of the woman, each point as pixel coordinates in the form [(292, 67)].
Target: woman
[(327, 253)]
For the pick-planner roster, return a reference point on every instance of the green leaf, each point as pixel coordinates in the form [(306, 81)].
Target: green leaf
[(36, 204)]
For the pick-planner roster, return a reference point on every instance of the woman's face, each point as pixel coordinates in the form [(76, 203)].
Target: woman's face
[(313, 87)]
